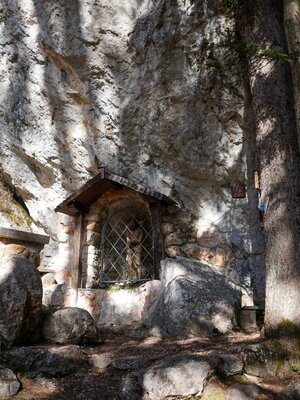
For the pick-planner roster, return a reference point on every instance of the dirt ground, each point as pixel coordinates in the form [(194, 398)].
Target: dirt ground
[(91, 383)]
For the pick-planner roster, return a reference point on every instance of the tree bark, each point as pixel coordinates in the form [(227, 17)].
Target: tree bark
[(292, 31), (278, 154)]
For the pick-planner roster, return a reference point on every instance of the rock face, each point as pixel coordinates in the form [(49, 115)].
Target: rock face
[(20, 300), (144, 89), (70, 325), (194, 300), (9, 383)]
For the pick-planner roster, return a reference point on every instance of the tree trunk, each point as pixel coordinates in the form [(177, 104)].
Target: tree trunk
[(278, 154), (292, 30)]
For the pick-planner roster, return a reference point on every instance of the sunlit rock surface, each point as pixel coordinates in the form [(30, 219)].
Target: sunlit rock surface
[(143, 88)]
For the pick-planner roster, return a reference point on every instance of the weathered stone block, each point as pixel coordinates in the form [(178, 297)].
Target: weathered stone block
[(220, 257), (100, 361), (48, 279), (10, 250), (93, 226), (248, 318), (199, 253)]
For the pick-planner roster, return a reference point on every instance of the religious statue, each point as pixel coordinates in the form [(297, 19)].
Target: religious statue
[(134, 236)]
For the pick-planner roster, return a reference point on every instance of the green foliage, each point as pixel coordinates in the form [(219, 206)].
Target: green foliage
[(232, 59), (231, 6), (278, 364), (278, 54), (216, 395), (288, 328), (238, 378), (251, 54), (115, 287), (11, 209), (253, 51), (296, 368)]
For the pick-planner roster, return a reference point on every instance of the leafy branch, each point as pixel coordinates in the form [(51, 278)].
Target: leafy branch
[(231, 7), (252, 55)]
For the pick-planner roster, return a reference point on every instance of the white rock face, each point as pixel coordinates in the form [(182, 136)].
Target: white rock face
[(140, 87)]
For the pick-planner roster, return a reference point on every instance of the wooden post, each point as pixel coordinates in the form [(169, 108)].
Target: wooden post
[(154, 208), (77, 255)]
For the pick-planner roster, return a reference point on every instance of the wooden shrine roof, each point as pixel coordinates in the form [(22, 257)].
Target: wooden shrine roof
[(80, 200)]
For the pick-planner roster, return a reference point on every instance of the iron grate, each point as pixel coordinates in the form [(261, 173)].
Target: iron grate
[(127, 248)]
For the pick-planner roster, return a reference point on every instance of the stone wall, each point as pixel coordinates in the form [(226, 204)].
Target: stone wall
[(120, 308), (144, 88)]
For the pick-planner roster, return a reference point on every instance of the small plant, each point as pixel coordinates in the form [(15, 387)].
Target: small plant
[(115, 287), (252, 54), (238, 378), (287, 327), (296, 368)]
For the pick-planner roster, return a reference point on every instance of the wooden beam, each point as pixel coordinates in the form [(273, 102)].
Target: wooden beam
[(155, 212), (79, 207), (77, 254), (23, 236)]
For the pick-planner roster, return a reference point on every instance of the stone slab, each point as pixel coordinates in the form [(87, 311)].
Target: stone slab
[(23, 236)]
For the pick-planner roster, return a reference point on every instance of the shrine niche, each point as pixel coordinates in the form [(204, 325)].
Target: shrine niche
[(117, 236)]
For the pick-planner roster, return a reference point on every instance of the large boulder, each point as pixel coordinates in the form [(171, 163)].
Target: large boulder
[(34, 361), (9, 383), (263, 359), (70, 325), (173, 376), (194, 300), (176, 376), (230, 365), (292, 392), (20, 300)]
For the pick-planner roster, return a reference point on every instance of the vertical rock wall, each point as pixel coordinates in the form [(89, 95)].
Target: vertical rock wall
[(144, 88)]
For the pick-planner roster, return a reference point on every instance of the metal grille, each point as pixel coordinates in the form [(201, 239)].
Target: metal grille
[(127, 248)]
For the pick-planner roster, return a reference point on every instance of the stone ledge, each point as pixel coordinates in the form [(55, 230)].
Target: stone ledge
[(8, 233), (46, 270)]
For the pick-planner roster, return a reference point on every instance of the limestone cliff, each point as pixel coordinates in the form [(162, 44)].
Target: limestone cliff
[(143, 87)]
